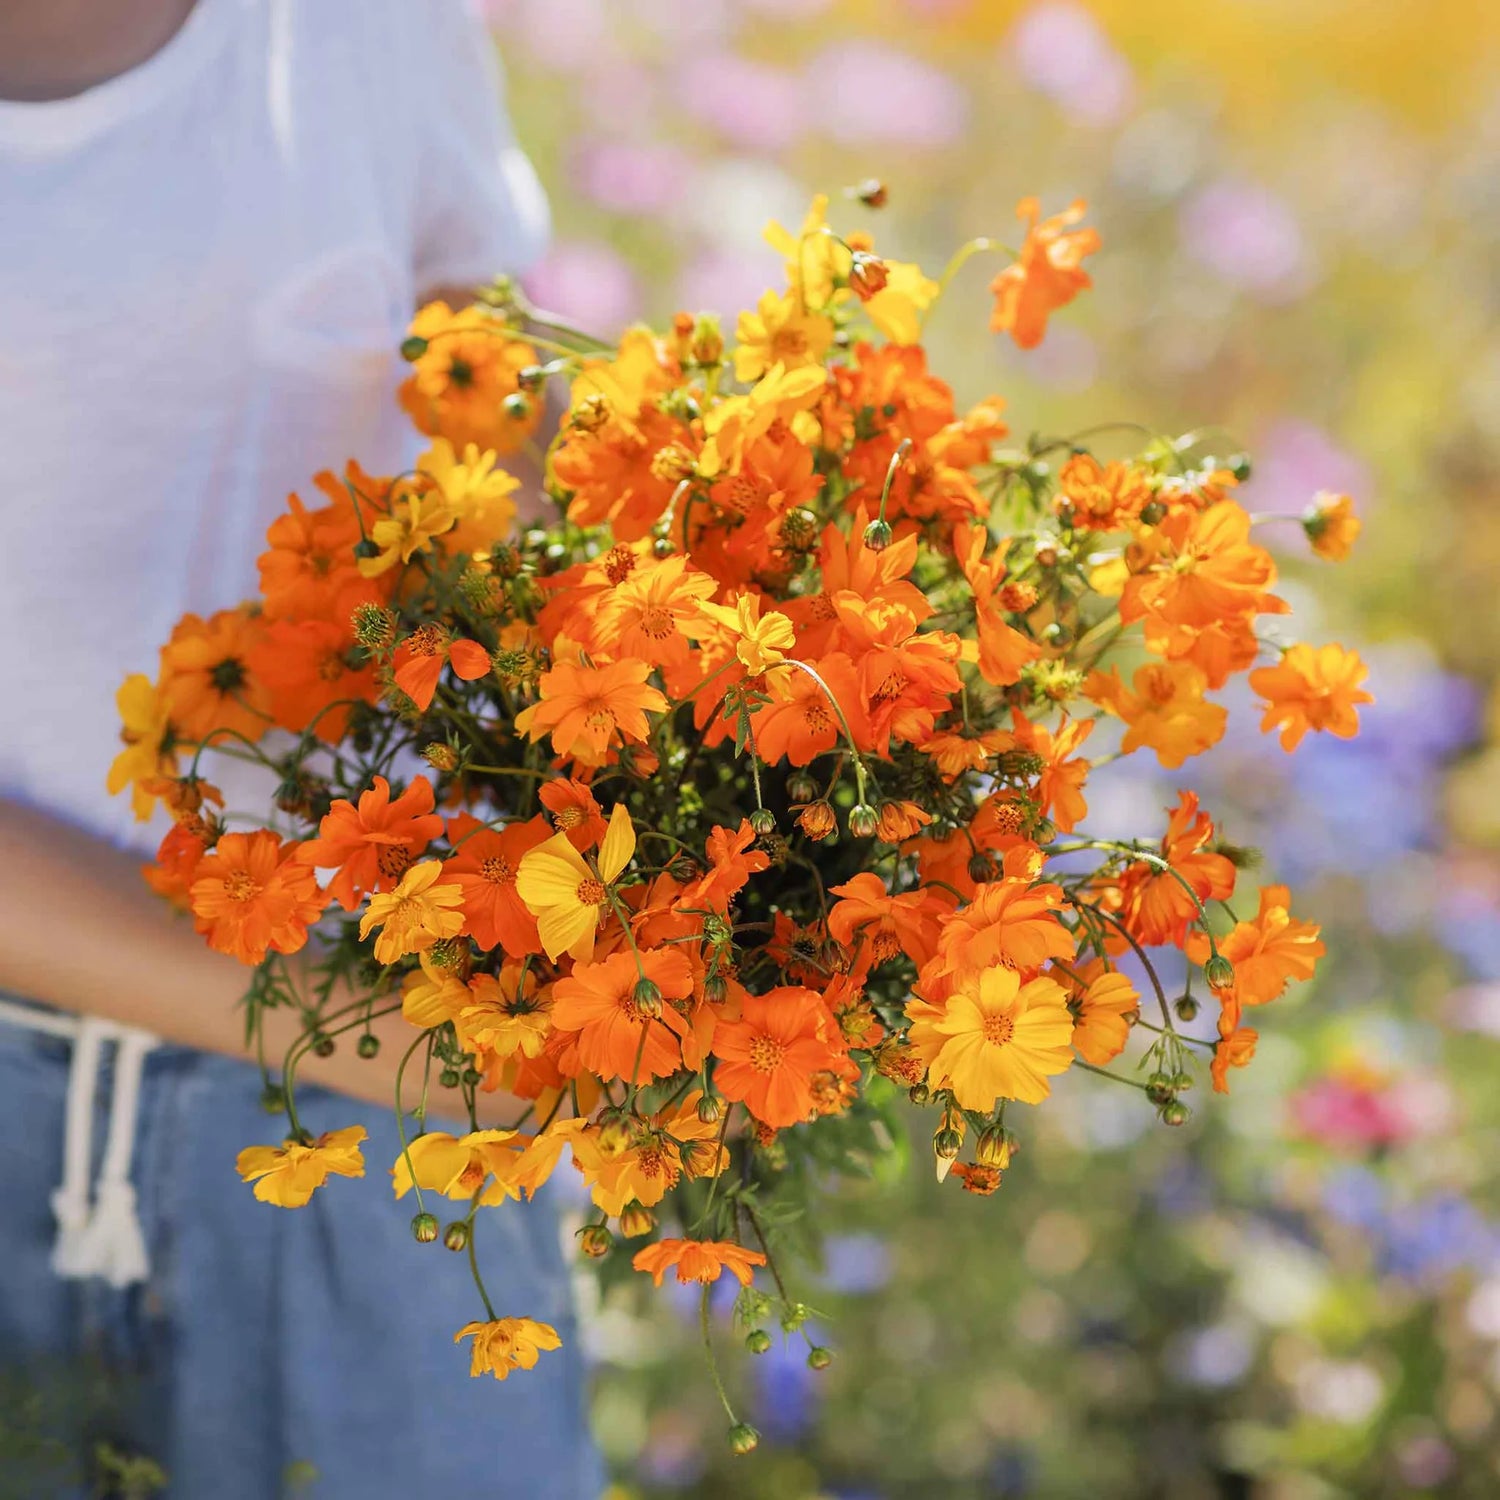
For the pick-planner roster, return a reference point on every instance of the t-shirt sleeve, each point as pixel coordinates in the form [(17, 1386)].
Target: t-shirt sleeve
[(480, 207)]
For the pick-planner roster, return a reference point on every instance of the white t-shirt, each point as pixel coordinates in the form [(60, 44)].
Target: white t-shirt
[(206, 268)]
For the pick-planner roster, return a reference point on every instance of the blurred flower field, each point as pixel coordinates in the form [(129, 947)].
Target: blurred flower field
[(1298, 1294)]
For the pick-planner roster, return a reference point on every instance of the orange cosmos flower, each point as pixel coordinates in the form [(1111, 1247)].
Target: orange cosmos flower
[(698, 1260), (1331, 525), (653, 1163), (900, 820), (177, 859), (888, 925), (1103, 1003), (799, 723), (1049, 274), (585, 708), (310, 571), (574, 812), (994, 1038), (307, 667), (506, 1344), (459, 382), (1312, 687), (955, 753), (652, 613), (1201, 569), (1059, 786), (459, 1166), (1266, 953), (1166, 710), (414, 915), (1010, 922), (371, 845), (419, 661), (484, 867), (770, 1056), (598, 1001), (568, 897), (252, 894), (1234, 1050), (1156, 909), (1102, 497), (289, 1174), (206, 682), (1002, 649), (731, 862), (906, 678)]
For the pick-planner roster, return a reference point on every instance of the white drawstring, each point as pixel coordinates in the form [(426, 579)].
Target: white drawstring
[(98, 1234)]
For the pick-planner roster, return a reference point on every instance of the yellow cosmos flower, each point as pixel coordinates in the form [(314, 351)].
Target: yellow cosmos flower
[(430, 995), (995, 1038), (567, 897), (289, 1174), (761, 641), (148, 737), (816, 260), (781, 332), (1164, 709), (897, 308), (458, 1166), (781, 394), (477, 492), (506, 1344), (414, 915), (414, 521), (1331, 525)]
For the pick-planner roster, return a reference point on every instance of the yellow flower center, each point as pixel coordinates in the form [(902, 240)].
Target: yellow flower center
[(998, 1030), (590, 892), (655, 622), (393, 860), (766, 1054), (239, 886), (569, 817), (788, 343), (497, 870)]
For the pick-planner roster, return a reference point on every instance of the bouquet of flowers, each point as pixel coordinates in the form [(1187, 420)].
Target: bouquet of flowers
[(693, 829)]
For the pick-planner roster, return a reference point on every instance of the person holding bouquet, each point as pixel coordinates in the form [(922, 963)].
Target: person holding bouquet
[(217, 219)]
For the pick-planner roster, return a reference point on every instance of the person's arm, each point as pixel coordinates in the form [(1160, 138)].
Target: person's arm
[(81, 931)]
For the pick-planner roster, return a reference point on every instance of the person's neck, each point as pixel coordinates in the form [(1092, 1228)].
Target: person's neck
[(53, 49)]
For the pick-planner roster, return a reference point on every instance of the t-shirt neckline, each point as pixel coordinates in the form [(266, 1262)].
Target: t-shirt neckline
[(52, 124)]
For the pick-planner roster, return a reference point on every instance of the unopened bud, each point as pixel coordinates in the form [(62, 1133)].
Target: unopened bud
[(757, 1341), (516, 406), (800, 787), (919, 1093), (743, 1438), (636, 1220), (863, 821), (456, 1236), (868, 275), (817, 820), (424, 1229), (368, 1046), (710, 1109), (441, 757), (1219, 972), (1153, 513), (871, 192), (647, 997), (819, 1358), (595, 1240), (413, 348), (981, 867), (763, 821), (993, 1148), (273, 1098), (1176, 1113), (878, 535), (1187, 1008), (946, 1144)]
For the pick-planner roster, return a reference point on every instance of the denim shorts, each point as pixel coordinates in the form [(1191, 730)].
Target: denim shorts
[(270, 1352)]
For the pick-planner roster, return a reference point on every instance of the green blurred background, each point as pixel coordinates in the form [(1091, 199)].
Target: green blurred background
[(1297, 1296)]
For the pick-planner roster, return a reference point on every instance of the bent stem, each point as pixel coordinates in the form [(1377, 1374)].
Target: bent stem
[(708, 1349)]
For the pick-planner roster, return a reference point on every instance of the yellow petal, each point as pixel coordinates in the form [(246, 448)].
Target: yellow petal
[(619, 844)]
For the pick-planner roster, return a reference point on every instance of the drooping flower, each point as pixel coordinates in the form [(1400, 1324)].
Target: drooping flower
[(1164, 709), (769, 1057), (415, 915), (1267, 953), (147, 732), (1157, 907), (206, 681), (887, 925), (1331, 525), (1103, 1002), (575, 812), (458, 1167), (566, 896), (731, 862), (1048, 275), (995, 1038), (289, 1174), (702, 1261), (370, 845), (252, 894), (1312, 687), (506, 1344)]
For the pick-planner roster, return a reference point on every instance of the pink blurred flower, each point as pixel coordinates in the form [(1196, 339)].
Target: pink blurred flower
[(1294, 460), (725, 281), (788, 10), (749, 103), (588, 283), (1355, 1107), (559, 34), (1249, 237), (631, 179), (868, 93), (1063, 52)]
